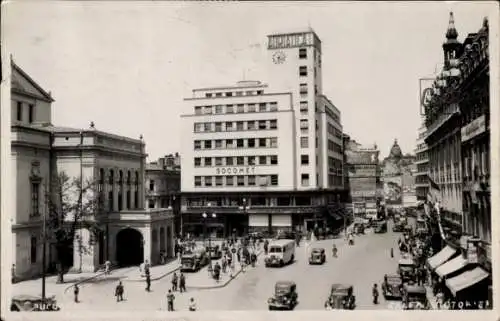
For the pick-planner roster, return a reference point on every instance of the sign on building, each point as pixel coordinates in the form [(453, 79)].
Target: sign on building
[(393, 192)]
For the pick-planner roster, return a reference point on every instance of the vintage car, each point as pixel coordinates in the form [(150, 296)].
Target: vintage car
[(214, 251), (359, 228), (25, 303), (341, 297), (398, 226), (317, 256), (285, 235), (392, 287), (257, 235), (408, 229), (415, 298), (285, 296), (406, 269), (380, 226), (193, 260)]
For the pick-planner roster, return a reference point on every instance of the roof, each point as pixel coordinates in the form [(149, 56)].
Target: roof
[(283, 284), (337, 287), (317, 249), (406, 262), (418, 289), (362, 157), (280, 242), (73, 130), (16, 85), (393, 277)]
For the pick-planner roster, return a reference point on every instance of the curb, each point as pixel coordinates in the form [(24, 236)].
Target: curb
[(152, 279)]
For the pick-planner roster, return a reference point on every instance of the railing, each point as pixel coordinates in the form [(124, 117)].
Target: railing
[(255, 209)]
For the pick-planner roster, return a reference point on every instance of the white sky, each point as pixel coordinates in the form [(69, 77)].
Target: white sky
[(128, 65)]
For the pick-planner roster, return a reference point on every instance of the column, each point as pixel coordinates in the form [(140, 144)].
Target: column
[(132, 191), (105, 190), (124, 190)]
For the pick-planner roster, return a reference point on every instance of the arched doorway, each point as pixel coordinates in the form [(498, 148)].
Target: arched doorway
[(129, 247), (169, 242), (162, 239)]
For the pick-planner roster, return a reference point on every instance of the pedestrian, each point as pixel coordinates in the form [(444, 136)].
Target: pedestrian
[(266, 246), (76, 290), (182, 283), (375, 293), (148, 282), (224, 264), (146, 267), (107, 267), (192, 305), (238, 256), (174, 282), (392, 252), (119, 292), (170, 300)]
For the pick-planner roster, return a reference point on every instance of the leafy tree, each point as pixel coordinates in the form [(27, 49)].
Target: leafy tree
[(72, 204)]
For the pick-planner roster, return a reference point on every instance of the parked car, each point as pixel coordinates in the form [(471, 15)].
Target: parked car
[(317, 256), (285, 296), (215, 252), (406, 269), (341, 297), (392, 287), (25, 303), (415, 298), (398, 226), (380, 226)]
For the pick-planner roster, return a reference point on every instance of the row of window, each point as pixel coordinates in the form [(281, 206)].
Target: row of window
[(333, 146), (238, 108), (335, 180), (239, 180), (235, 93), (20, 112), (111, 177), (264, 142), (332, 130), (231, 126), (238, 160)]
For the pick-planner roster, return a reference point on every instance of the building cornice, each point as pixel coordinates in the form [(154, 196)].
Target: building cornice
[(237, 97)]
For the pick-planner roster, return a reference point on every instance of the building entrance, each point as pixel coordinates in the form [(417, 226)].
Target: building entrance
[(129, 247)]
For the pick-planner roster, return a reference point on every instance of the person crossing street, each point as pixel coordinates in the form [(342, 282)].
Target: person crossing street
[(375, 293), (182, 283), (170, 300), (119, 292)]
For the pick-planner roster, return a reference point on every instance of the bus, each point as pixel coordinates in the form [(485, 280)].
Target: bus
[(280, 253)]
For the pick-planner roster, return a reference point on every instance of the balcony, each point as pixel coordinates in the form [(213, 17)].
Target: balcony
[(254, 209), (421, 185), (146, 215), (421, 161)]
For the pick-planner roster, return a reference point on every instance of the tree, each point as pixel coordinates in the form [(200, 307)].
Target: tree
[(72, 204)]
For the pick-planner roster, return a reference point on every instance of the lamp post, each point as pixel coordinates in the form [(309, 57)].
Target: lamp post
[(205, 216), (245, 207)]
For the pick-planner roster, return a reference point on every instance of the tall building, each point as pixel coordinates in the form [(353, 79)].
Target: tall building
[(262, 152), (114, 165), (422, 163)]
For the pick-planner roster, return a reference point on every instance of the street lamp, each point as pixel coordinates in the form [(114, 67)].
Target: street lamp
[(205, 216), (245, 207)]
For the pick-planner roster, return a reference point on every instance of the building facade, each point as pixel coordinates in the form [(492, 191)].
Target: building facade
[(114, 167), (422, 164), (264, 157)]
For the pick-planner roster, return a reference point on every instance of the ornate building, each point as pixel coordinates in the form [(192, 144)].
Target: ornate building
[(422, 164)]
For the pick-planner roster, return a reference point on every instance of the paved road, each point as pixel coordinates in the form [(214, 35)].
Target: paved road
[(361, 265)]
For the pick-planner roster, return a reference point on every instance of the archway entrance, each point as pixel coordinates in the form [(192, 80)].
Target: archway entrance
[(129, 247)]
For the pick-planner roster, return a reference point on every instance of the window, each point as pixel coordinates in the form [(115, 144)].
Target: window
[(19, 111), (197, 161), (218, 109), (239, 93), (304, 159), (229, 126), (31, 114), (34, 247), (240, 108), (262, 124), (239, 126), (218, 161), (208, 95), (262, 160), (304, 124), (208, 144), (197, 144), (198, 127), (251, 142), (207, 110), (229, 109), (240, 143), (218, 94), (304, 108), (151, 204), (229, 161), (249, 93), (274, 142), (262, 142), (151, 185), (303, 89), (251, 108), (218, 143), (273, 124), (229, 180), (274, 160), (229, 94), (218, 180), (262, 107), (251, 125), (251, 180), (207, 127), (274, 180), (251, 160), (240, 180), (305, 179), (208, 161), (273, 106), (198, 110), (260, 92), (303, 71), (208, 180), (302, 53), (35, 196), (240, 160)]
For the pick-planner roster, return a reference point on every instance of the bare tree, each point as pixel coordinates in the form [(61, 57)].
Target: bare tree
[(73, 204)]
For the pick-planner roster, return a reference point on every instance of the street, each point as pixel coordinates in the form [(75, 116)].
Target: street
[(360, 265)]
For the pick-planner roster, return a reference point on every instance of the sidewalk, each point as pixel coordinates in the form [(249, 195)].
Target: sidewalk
[(157, 272)]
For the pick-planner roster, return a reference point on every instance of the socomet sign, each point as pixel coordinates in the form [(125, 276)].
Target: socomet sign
[(249, 170)]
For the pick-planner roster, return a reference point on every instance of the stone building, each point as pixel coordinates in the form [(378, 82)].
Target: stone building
[(114, 164)]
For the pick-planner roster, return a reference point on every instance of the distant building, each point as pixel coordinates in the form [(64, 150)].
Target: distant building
[(422, 163)]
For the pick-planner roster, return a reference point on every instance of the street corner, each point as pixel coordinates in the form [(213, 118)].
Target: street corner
[(157, 273)]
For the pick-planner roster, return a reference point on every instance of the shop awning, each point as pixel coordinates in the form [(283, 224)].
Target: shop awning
[(441, 257), (451, 266), (466, 279)]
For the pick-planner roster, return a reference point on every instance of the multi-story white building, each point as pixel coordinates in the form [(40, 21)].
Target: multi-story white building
[(422, 163), (259, 154)]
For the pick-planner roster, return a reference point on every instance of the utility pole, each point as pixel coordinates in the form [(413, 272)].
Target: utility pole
[(44, 256), (81, 202)]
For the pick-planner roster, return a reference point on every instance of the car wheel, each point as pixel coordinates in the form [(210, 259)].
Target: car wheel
[(292, 259), (282, 263), (271, 308)]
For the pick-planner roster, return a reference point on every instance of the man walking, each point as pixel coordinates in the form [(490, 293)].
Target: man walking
[(170, 300), (119, 292), (174, 282), (182, 283), (76, 290), (148, 282)]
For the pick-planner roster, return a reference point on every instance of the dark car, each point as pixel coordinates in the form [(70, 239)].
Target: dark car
[(392, 287), (399, 226), (415, 298), (285, 235), (341, 297), (285, 296), (23, 303), (318, 256), (257, 235), (406, 269), (380, 226), (359, 228), (215, 252)]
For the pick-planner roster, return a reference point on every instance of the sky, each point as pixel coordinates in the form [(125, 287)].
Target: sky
[(127, 66)]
